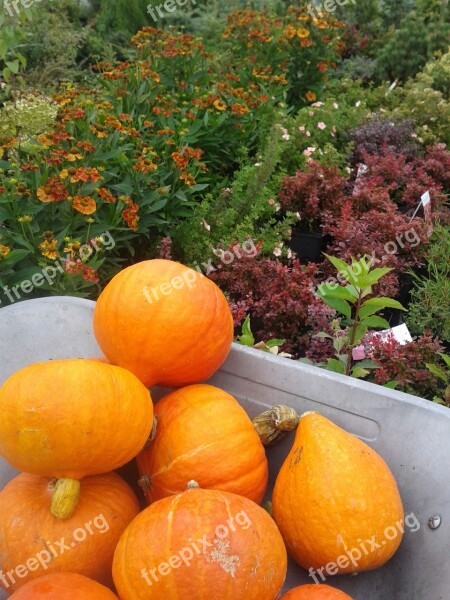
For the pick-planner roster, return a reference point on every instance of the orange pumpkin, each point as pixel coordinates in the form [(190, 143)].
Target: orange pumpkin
[(71, 418), (63, 586), (201, 544), (166, 323), (312, 591), (204, 434), (33, 542), (336, 502)]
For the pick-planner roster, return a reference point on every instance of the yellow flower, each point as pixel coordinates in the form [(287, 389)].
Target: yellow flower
[(290, 31), (48, 249), (4, 251), (25, 219), (303, 33), (311, 96), (219, 105), (303, 18)]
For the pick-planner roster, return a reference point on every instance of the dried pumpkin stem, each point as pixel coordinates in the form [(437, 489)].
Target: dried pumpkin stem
[(65, 498), (272, 425)]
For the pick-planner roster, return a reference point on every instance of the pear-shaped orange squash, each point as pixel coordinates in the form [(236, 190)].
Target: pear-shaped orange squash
[(204, 434), (63, 586), (336, 502), (312, 591)]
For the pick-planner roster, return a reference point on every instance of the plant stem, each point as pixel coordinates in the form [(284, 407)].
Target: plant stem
[(348, 366)]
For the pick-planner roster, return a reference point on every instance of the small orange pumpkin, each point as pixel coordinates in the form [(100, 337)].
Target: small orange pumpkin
[(33, 542), (71, 418), (312, 591), (203, 434), (63, 586), (201, 544), (166, 323), (336, 502)]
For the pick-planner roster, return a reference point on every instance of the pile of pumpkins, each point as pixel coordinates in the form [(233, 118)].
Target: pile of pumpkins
[(72, 528)]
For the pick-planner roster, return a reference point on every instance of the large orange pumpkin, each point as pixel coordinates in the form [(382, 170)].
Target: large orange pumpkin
[(336, 502), (166, 323), (33, 542), (71, 418), (201, 544), (203, 434), (312, 591), (63, 586)]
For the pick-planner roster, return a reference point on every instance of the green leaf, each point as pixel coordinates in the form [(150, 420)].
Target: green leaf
[(323, 335), (370, 307), (13, 66), (336, 292), (247, 338), (275, 342), (339, 265), (445, 358), (437, 372), (341, 306), (339, 343), (375, 321), (359, 372), (391, 385), (374, 276), (368, 364), (360, 332), (335, 365)]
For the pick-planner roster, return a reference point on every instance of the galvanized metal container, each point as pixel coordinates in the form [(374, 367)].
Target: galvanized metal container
[(413, 435)]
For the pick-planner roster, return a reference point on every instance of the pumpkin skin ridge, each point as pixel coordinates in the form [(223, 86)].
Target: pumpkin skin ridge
[(120, 318), (234, 461), (27, 527), (319, 527), (65, 404), (51, 587), (189, 519)]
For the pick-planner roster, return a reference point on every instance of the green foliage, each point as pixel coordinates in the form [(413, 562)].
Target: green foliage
[(12, 61), (359, 314), (442, 372), (247, 208), (430, 300), (248, 339), (121, 18)]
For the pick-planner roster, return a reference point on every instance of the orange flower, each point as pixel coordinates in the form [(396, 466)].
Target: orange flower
[(53, 191), (311, 96), (322, 67), (106, 195), (84, 204), (4, 251), (188, 179), (303, 33), (144, 165), (48, 249), (306, 42)]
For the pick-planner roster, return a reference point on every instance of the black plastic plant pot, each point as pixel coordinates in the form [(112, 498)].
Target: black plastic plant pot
[(307, 245)]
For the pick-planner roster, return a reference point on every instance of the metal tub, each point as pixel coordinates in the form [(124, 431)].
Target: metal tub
[(413, 435)]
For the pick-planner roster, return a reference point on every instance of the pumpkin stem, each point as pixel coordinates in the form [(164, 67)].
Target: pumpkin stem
[(192, 485), (152, 433), (65, 498), (272, 425), (145, 483)]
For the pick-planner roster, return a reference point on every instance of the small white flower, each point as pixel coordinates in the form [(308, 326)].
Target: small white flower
[(358, 103), (205, 225), (321, 125), (277, 252), (335, 105), (308, 134), (258, 164)]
